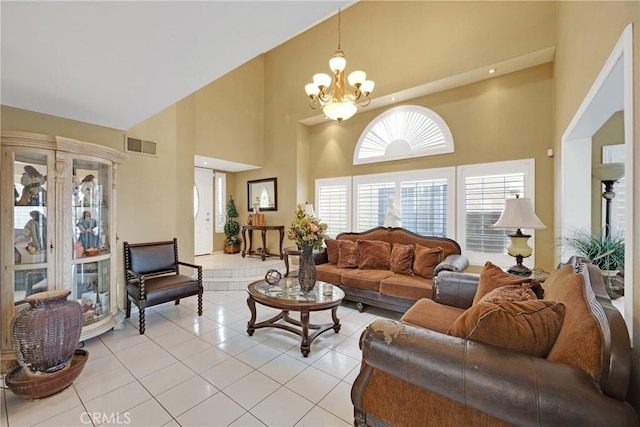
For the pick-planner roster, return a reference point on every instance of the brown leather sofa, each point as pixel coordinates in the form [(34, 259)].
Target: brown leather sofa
[(415, 374), (379, 285)]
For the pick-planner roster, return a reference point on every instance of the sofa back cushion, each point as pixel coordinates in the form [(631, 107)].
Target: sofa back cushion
[(373, 255), (347, 254), (581, 341), (529, 327), (402, 259), (426, 259), (332, 250)]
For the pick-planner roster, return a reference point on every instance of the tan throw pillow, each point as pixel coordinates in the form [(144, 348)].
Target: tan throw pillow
[(402, 259), (347, 254), (332, 250), (373, 255), (426, 260), (492, 277), (529, 327), (520, 292)]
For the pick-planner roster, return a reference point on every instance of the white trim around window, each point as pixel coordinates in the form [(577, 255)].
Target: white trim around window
[(221, 201)]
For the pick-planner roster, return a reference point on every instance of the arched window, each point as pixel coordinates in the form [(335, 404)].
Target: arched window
[(401, 133)]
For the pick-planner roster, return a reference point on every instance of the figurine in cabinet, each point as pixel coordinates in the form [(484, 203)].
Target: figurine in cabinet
[(32, 193), (36, 230), (88, 236), (88, 189)]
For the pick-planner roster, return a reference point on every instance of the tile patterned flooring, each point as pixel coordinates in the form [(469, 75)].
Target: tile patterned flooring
[(206, 371)]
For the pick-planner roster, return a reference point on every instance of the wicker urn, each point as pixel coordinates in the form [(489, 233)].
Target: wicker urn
[(45, 334)]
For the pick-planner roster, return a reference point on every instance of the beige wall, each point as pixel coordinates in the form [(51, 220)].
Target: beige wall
[(584, 45)]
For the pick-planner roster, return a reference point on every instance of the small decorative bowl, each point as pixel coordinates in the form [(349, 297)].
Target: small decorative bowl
[(92, 251)]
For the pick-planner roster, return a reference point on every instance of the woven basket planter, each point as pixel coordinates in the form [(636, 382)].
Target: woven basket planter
[(45, 334)]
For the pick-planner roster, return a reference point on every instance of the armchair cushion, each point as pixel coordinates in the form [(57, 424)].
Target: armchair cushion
[(519, 292), (347, 254), (373, 254), (401, 261), (529, 327), (426, 260), (492, 277)]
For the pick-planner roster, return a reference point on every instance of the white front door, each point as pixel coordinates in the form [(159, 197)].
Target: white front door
[(203, 211)]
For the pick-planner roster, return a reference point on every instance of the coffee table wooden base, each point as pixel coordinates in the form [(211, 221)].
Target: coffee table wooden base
[(303, 325)]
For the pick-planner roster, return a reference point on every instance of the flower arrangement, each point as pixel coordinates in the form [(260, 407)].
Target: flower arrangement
[(307, 230)]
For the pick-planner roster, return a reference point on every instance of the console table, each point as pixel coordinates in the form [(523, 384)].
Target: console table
[(263, 230)]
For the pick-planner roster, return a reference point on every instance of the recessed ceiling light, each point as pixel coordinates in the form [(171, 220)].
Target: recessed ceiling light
[(491, 71)]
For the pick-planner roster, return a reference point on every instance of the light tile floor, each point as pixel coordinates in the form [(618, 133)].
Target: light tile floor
[(206, 371)]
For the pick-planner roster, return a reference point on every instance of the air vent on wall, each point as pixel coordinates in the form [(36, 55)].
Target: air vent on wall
[(141, 146)]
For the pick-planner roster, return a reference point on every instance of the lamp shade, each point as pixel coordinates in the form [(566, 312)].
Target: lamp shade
[(518, 213), (308, 209), (608, 171)]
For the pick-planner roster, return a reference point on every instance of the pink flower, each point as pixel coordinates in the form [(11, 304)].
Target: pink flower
[(314, 228)]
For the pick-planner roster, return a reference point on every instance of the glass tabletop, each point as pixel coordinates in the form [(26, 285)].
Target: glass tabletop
[(290, 291)]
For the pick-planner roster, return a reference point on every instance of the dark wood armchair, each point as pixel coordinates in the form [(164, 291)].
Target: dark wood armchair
[(152, 276)]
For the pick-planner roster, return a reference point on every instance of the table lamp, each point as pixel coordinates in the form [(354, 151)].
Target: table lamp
[(518, 213), (308, 209)]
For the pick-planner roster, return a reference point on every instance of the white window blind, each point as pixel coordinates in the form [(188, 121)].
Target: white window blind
[(332, 204), (483, 190), (372, 204), (221, 197), (615, 154), (424, 206)]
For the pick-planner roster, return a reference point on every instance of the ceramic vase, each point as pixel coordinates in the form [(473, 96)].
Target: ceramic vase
[(307, 273), (45, 334)]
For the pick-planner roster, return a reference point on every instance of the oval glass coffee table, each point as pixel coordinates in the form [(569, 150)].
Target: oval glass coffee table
[(323, 297)]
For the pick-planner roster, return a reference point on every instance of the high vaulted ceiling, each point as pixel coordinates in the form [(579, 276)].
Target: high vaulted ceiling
[(116, 64)]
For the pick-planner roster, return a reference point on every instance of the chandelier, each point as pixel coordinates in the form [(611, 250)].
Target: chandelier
[(331, 93)]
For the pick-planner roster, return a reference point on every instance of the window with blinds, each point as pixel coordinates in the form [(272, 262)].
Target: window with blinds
[(371, 202), (615, 154), (484, 201), (482, 191), (221, 196), (424, 206), (332, 204)]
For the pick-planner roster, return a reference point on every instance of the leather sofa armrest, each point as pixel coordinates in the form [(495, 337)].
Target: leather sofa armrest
[(455, 289), (320, 257), (517, 388), (453, 262)]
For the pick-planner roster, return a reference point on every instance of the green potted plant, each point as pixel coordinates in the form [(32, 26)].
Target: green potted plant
[(231, 229), (605, 250)]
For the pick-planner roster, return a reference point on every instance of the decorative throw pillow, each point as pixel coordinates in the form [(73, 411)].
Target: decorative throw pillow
[(332, 250), (426, 260), (520, 292), (492, 277), (373, 255), (529, 327), (347, 254), (402, 259)]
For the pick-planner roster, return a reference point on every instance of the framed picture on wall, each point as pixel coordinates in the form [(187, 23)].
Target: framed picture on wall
[(263, 193)]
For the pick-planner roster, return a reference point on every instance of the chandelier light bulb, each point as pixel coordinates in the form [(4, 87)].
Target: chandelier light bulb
[(322, 80), (340, 110), (338, 62), (312, 89), (367, 86), (356, 78)]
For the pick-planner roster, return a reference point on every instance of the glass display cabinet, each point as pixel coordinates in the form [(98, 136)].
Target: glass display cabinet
[(57, 229)]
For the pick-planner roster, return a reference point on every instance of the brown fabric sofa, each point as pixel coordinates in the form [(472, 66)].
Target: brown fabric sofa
[(373, 280), (414, 373)]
